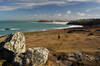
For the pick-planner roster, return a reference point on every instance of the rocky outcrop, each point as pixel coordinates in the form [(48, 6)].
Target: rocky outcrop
[(13, 49), (33, 57), (37, 56), (15, 43), (77, 59)]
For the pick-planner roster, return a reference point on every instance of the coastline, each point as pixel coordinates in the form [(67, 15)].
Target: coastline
[(76, 41), (77, 35), (70, 26), (63, 23)]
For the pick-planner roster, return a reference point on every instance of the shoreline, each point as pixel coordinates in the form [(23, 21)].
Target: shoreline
[(60, 28), (78, 36), (63, 23)]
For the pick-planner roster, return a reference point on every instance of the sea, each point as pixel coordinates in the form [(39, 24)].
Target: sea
[(7, 27)]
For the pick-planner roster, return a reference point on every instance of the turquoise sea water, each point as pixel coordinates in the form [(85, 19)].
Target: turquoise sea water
[(7, 27)]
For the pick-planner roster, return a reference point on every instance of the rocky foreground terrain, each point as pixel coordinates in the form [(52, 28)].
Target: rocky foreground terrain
[(51, 48), (13, 50)]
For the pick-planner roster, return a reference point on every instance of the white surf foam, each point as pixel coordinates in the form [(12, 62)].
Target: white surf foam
[(4, 29), (73, 26)]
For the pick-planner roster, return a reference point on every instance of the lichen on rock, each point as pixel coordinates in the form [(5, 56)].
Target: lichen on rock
[(37, 55), (16, 43), (33, 57)]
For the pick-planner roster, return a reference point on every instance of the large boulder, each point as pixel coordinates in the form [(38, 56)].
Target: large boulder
[(37, 56), (12, 46), (13, 49), (32, 57), (15, 43)]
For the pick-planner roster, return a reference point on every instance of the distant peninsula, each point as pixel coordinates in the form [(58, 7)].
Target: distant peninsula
[(52, 21), (85, 22)]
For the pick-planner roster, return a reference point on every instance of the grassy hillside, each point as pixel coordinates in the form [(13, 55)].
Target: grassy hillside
[(78, 41)]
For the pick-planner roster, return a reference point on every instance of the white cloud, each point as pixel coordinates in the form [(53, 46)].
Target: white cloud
[(97, 0), (16, 4), (88, 10), (50, 16), (92, 9), (69, 12), (43, 3), (40, 0), (78, 0), (57, 15), (80, 14), (7, 8)]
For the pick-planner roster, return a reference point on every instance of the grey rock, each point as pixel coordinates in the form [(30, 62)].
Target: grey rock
[(72, 59), (17, 60), (13, 49), (37, 56), (68, 63), (89, 57), (81, 56), (15, 43), (33, 57)]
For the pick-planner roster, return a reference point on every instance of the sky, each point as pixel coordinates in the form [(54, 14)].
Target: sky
[(49, 9)]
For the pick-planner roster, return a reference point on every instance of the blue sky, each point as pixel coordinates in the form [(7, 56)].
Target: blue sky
[(49, 9)]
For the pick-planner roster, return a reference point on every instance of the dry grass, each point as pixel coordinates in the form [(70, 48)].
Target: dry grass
[(68, 42)]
